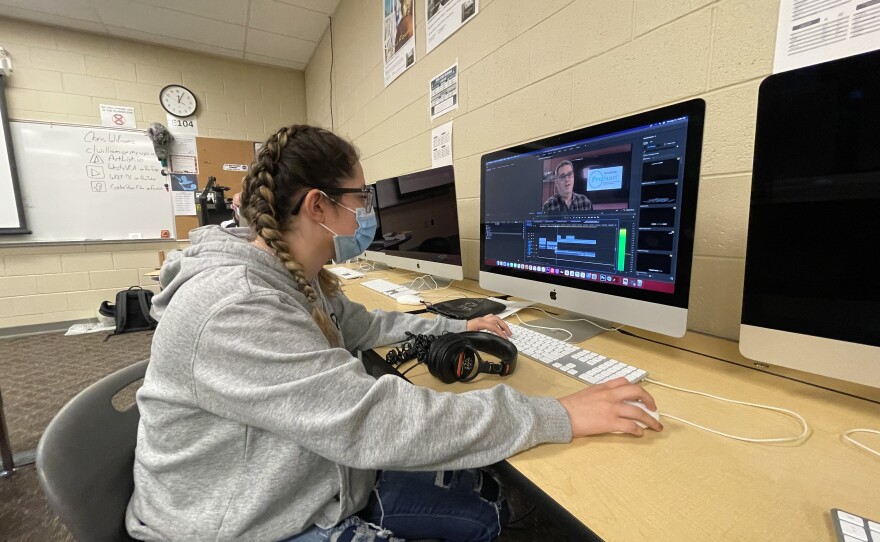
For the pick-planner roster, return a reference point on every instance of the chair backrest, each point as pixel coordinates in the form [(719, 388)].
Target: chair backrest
[(86, 456)]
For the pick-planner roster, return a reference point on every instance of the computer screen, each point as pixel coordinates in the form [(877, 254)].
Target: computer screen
[(811, 301), (418, 223), (599, 220)]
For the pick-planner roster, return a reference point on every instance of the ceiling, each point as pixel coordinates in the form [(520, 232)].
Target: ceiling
[(275, 32)]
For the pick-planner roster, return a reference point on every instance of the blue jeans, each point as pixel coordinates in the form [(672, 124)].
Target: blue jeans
[(461, 506)]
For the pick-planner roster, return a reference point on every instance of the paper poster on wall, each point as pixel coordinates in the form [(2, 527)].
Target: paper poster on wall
[(441, 145), (183, 182), (183, 155), (183, 163), (117, 116), (398, 38), (184, 203), (812, 32), (444, 17), (443, 92)]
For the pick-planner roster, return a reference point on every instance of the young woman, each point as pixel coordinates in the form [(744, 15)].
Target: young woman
[(257, 423)]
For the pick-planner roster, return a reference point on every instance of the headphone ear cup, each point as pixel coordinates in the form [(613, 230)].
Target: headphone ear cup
[(443, 356), (493, 344)]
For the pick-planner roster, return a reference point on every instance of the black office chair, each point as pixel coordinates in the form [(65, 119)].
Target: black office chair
[(85, 459)]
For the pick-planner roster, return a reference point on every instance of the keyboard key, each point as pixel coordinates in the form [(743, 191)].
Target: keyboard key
[(846, 516), (850, 527), (859, 533)]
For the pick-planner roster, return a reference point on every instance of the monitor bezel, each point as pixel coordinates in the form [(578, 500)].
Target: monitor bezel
[(695, 111), (776, 344)]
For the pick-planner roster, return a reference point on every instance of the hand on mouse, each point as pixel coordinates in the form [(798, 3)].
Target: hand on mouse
[(601, 409), (489, 322)]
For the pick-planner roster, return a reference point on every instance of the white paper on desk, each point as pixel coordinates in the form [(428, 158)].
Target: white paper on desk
[(512, 306), (810, 32)]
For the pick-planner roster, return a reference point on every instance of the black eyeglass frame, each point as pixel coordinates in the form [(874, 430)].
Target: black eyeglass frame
[(369, 196)]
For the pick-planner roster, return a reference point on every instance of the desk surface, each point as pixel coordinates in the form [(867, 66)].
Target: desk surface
[(374, 300), (687, 484)]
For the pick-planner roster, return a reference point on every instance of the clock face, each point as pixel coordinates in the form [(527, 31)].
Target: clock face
[(178, 100)]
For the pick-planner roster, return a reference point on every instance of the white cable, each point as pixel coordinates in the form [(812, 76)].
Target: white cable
[(574, 319), (570, 335), (803, 422), (846, 436), (424, 283)]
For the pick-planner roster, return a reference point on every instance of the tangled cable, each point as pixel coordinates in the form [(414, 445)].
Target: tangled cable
[(414, 347)]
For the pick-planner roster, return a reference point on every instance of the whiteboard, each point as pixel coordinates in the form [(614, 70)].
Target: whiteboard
[(85, 183), (11, 218)]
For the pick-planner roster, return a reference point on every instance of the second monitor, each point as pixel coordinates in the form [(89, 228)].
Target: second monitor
[(418, 223), (600, 220)]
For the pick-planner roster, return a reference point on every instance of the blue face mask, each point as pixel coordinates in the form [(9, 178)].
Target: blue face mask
[(351, 246)]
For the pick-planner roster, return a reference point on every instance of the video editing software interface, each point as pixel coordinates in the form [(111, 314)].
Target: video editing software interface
[(418, 216), (605, 209)]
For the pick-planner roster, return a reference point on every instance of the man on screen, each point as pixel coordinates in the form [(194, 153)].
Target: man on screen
[(565, 199)]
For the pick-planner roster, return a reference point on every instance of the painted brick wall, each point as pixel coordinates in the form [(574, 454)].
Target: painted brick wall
[(63, 76), (530, 69)]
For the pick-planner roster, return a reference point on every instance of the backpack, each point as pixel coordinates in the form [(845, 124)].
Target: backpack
[(131, 310)]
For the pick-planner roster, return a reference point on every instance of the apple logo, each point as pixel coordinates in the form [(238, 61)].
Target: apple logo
[(553, 295)]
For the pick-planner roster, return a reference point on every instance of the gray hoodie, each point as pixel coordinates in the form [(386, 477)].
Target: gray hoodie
[(253, 428)]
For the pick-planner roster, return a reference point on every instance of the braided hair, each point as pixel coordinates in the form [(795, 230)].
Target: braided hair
[(295, 159)]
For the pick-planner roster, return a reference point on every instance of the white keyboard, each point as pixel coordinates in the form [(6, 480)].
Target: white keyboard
[(853, 528), (345, 272), (388, 288), (567, 358)]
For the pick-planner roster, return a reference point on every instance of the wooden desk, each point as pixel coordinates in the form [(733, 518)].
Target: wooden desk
[(687, 484), (374, 300)]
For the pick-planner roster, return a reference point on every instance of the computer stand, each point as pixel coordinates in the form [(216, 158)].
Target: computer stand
[(579, 329)]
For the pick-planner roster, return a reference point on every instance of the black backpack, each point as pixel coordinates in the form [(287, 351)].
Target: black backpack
[(131, 310)]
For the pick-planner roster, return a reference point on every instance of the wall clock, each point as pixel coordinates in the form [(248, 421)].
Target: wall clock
[(178, 100)]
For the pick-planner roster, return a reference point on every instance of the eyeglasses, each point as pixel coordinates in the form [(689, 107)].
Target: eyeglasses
[(366, 193), (564, 176)]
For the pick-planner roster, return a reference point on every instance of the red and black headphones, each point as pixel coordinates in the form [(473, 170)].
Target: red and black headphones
[(455, 357)]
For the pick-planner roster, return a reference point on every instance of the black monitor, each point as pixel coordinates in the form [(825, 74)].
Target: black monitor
[(811, 301), (599, 220), (418, 223)]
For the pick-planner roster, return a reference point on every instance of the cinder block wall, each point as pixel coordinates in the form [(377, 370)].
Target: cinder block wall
[(530, 69), (63, 76)]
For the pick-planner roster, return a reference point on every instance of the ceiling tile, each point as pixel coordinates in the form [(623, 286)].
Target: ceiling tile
[(323, 6), (167, 23), (75, 9), (276, 46), (229, 11), (288, 20), (173, 42), (275, 61), (56, 20), (281, 33)]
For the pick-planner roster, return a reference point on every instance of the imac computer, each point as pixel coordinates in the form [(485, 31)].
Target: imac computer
[(418, 223), (598, 221), (811, 301)]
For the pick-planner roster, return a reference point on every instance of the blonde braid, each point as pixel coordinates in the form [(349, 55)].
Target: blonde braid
[(260, 186)]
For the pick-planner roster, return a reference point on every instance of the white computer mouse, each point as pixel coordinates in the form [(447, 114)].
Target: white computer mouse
[(653, 413), (408, 299)]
